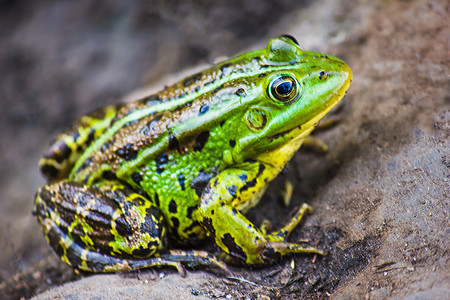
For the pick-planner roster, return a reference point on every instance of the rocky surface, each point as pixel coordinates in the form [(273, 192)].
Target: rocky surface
[(381, 195)]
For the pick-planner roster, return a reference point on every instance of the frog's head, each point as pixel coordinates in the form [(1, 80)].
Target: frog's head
[(297, 89)]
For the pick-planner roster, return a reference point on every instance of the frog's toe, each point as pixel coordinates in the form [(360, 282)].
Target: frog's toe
[(315, 144), (197, 258), (275, 250)]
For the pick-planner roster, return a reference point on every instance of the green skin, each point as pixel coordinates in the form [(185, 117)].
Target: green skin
[(187, 163)]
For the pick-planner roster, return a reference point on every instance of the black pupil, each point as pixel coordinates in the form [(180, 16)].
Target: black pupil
[(284, 88)]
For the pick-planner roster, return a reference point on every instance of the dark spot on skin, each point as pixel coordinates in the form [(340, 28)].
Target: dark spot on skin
[(150, 226), (222, 123), (224, 69), (190, 80), (200, 141), (233, 248), (127, 152), (107, 144), (173, 142), (232, 143), (156, 199), (109, 175), (90, 137), (75, 137), (212, 212), (181, 181), (207, 223), (39, 210), (144, 195), (203, 109), (234, 210), (243, 177), (153, 244), (161, 162), (137, 177), (142, 252), (240, 92), (139, 201), (49, 171), (53, 239), (248, 185), (151, 100), (261, 169), (281, 233), (271, 254), (200, 182), (232, 190), (175, 223), (322, 74), (173, 206), (190, 210), (61, 153), (256, 59), (216, 90), (181, 95), (130, 123), (86, 163), (261, 75), (324, 56), (280, 134), (78, 232)]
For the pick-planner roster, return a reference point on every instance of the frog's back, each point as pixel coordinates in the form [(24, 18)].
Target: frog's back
[(68, 146)]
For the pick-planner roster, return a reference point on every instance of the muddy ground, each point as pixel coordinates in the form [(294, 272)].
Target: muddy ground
[(381, 195)]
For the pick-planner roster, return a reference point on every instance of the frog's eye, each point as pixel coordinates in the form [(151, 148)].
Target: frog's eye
[(290, 37), (284, 88)]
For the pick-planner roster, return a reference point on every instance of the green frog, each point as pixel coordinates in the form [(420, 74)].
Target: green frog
[(136, 185)]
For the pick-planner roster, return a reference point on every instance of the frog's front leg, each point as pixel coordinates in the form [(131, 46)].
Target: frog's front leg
[(109, 227), (235, 190)]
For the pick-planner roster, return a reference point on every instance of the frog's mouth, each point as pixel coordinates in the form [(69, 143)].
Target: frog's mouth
[(283, 133)]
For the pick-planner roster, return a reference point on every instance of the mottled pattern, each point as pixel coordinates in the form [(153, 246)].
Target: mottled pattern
[(185, 163)]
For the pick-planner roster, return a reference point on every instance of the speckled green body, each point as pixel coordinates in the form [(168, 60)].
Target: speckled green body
[(186, 162)]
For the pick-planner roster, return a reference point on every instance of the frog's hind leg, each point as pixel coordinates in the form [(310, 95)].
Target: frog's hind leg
[(99, 224), (109, 228), (84, 259)]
